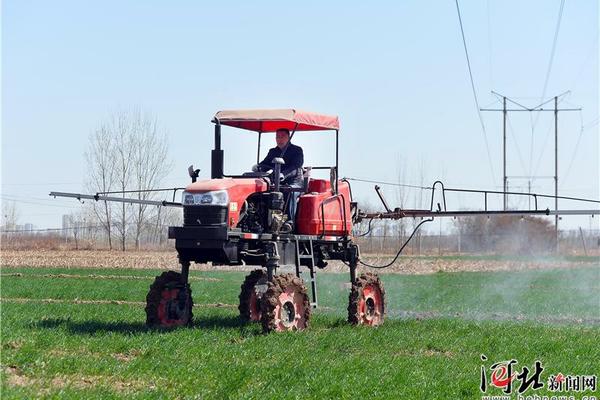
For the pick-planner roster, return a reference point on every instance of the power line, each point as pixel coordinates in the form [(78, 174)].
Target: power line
[(7, 198), (584, 127), (487, 147), (551, 62), (546, 80), (18, 196), (491, 103), (574, 154), (560, 12), (593, 52), (591, 124), (41, 184)]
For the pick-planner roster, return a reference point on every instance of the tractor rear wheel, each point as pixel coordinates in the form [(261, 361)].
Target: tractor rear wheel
[(254, 286), (285, 305), (169, 302), (366, 304)]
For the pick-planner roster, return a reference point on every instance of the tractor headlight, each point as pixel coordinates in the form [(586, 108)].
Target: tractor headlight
[(214, 198)]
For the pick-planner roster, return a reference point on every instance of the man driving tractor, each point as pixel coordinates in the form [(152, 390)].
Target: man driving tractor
[(291, 171)]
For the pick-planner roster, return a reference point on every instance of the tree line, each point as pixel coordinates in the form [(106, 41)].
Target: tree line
[(128, 151)]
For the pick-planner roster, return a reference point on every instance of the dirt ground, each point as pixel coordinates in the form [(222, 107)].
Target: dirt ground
[(168, 260)]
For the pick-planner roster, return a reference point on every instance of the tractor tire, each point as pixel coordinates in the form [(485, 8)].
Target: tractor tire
[(249, 297), (169, 302), (285, 305), (366, 304)]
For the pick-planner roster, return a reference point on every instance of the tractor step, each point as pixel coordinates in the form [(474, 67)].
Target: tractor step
[(311, 267)]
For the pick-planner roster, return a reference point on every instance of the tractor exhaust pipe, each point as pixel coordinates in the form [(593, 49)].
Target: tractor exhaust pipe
[(217, 154)]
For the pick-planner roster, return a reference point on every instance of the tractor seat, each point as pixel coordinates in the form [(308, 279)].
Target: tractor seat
[(306, 178), (318, 186)]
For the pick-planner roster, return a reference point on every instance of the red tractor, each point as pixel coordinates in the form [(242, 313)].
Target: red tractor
[(237, 220)]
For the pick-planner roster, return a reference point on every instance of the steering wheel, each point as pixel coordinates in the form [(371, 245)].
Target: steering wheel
[(263, 172)]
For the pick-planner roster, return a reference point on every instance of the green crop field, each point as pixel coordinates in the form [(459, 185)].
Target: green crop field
[(79, 333)]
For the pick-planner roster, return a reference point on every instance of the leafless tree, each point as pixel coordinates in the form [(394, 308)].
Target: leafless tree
[(364, 229), (124, 125), (10, 215), (101, 174), (150, 166), (77, 226), (10, 218), (420, 203), (164, 216), (401, 196), (128, 152)]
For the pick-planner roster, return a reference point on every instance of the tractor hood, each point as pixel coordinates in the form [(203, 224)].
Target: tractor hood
[(238, 190), (232, 185)]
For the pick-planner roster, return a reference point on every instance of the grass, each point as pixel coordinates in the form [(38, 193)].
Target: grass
[(437, 327)]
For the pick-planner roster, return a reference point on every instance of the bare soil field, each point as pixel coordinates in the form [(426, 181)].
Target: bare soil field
[(168, 260)]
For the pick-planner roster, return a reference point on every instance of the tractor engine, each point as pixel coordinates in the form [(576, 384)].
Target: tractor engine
[(262, 212)]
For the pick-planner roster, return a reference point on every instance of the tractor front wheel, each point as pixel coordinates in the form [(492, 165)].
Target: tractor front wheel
[(169, 302), (366, 304), (254, 286), (285, 305)]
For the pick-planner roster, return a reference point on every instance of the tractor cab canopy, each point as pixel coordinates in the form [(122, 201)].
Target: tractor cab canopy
[(263, 121), (271, 120)]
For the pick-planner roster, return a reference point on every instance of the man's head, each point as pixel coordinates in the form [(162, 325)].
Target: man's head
[(282, 137)]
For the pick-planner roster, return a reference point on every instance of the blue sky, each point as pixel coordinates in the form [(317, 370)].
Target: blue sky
[(395, 73)]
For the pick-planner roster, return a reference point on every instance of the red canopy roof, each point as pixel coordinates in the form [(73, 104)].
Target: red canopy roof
[(271, 120)]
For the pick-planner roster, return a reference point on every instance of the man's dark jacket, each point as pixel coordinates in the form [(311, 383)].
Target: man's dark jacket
[(294, 159)]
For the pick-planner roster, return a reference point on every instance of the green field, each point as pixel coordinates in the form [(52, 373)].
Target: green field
[(79, 333)]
